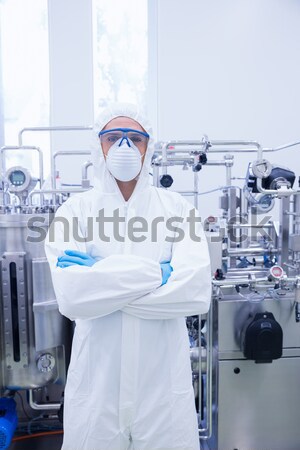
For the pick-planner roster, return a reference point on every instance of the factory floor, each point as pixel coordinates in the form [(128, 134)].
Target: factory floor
[(47, 442)]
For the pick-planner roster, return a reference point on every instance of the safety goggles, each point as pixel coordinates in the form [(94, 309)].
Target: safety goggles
[(110, 137)]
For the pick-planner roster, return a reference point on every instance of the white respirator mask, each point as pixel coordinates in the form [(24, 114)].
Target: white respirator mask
[(124, 162)]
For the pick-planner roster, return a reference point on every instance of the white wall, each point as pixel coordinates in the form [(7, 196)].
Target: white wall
[(230, 69)]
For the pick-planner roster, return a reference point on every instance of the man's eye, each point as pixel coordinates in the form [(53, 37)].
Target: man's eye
[(112, 139), (136, 139)]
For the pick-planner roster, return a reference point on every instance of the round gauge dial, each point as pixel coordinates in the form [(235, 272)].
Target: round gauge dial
[(276, 272), (19, 179)]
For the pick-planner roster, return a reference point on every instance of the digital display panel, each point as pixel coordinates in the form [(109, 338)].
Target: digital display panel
[(17, 178)]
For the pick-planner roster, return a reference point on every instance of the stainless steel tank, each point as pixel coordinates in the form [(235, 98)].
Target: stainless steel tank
[(33, 332)]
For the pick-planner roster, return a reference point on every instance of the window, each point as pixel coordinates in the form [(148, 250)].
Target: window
[(24, 72), (120, 51)]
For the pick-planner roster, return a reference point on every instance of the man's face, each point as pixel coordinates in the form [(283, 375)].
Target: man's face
[(123, 122)]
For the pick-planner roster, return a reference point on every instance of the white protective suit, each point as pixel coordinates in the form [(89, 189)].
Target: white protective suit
[(129, 381)]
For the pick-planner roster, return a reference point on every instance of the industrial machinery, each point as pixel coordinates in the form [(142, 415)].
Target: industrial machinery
[(35, 339), (245, 353)]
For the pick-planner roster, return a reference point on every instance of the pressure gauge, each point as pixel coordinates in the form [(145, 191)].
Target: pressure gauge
[(19, 180), (261, 168), (276, 273)]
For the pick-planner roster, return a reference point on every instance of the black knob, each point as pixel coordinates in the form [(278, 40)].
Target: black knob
[(202, 158), (166, 181), (197, 167), (219, 274)]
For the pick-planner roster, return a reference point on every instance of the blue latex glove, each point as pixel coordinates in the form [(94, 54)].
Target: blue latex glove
[(73, 257), (166, 270)]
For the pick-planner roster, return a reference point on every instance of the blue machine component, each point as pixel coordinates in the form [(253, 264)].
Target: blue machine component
[(8, 421), (269, 261)]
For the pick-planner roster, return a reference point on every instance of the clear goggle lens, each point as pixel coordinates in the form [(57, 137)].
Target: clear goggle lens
[(110, 137)]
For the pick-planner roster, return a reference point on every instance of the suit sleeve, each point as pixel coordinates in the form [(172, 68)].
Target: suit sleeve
[(188, 290), (109, 285)]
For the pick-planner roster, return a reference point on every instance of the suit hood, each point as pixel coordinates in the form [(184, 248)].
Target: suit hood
[(103, 180)]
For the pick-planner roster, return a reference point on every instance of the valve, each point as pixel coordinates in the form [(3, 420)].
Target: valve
[(166, 181), (219, 275), (202, 159)]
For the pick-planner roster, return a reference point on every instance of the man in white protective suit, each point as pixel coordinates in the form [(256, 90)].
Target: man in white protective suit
[(129, 261)]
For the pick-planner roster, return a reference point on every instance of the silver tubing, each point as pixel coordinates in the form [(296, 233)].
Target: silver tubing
[(56, 191), (238, 281), (176, 161), (297, 214), (251, 251), (63, 153), (84, 170), (278, 192), (200, 371), (228, 165), (58, 128), (249, 225), (42, 406), (196, 185), (285, 231), (282, 147), (201, 145), (164, 158), (209, 364), (156, 176), (255, 144)]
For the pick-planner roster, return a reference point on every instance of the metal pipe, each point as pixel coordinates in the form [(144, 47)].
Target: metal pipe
[(278, 192), (58, 128), (84, 170), (64, 153), (228, 169), (196, 183), (250, 251), (190, 160), (284, 231), (249, 225), (201, 144), (42, 406), (187, 192), (164, 158), (282, 147), (200, 369), (297, 214), (56, 191), (156, 176), (209, 364), (238, 281)]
